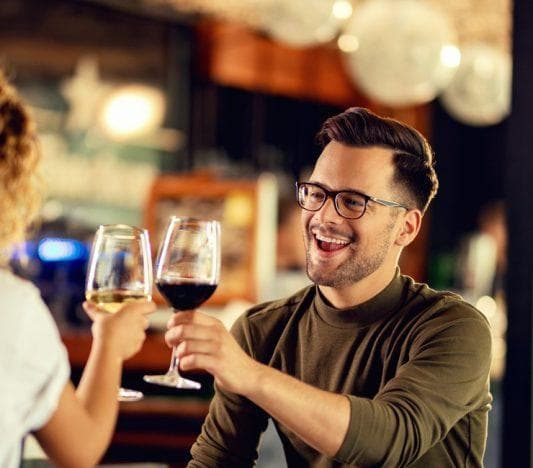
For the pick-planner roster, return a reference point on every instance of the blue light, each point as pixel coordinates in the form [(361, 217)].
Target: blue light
[(54, 249)]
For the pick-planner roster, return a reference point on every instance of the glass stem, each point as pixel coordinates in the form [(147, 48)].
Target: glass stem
[(174, 361)]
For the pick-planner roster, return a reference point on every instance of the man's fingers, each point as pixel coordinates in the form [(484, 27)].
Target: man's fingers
[(197, 361), (189, 332), (184, 316), (196, 347), (190, 316)]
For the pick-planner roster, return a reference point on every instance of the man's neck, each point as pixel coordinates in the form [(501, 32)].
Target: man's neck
[(354, 294)]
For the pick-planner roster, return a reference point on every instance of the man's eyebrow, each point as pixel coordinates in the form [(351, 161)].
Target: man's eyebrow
[(344, 189), (320, 184)]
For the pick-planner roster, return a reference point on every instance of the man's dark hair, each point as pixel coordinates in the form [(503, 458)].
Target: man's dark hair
[(413, 156)]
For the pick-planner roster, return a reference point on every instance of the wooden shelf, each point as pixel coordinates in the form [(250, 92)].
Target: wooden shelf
[(154, 355), (159, 428)]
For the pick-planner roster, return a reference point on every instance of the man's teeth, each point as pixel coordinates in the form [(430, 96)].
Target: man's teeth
[(331, 240)]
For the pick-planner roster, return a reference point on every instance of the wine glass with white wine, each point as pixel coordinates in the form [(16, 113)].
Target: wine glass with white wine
[(120, 271)]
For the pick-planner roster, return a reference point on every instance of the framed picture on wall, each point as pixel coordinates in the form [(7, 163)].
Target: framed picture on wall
[(246, 210)]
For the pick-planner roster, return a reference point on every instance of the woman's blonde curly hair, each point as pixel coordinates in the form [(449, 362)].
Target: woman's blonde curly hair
[(20, 196)]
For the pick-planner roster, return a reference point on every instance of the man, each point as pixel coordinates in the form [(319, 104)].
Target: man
[(366, 367)]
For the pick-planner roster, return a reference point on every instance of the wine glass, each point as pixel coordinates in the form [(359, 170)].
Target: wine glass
[(120, 271), (187, 273)]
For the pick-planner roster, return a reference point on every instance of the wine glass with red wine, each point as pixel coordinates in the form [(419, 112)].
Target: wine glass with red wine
[(187, 274)]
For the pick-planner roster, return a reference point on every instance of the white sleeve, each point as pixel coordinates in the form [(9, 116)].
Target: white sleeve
[(33, 362), (46, 364)]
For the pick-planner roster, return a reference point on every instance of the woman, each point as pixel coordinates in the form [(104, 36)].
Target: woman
[(74, 427)]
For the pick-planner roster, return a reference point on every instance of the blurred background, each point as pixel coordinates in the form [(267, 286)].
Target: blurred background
[(147, 108)]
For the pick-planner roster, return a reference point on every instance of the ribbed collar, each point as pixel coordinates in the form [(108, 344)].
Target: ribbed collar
[(384, 303)]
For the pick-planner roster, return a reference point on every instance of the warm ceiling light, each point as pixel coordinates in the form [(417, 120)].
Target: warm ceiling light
[(450, 56), (348, 43), (132, 111), (342, 9)]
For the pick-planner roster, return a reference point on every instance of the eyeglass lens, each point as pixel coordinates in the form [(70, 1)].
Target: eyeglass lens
[(348, 204)]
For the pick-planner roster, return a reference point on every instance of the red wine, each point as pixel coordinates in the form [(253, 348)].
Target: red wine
[(185, 295)]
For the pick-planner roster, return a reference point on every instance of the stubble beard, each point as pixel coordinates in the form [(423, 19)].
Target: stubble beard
[(359, 264)]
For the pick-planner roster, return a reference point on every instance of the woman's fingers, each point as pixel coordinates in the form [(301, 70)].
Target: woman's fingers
[(91, 310), (142, 307)]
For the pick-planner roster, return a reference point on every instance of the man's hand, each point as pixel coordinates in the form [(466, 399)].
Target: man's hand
[(204, 343), (320, 418)]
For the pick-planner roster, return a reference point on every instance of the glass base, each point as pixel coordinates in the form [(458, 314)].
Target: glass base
[(125, 394), (172, 379)]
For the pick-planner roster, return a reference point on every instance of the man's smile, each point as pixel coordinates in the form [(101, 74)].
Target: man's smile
[(329, 243)]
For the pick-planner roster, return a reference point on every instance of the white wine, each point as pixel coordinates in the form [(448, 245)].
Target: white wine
[(112, 301)]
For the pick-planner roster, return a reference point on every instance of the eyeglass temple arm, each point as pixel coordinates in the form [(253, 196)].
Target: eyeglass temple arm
[(386, 203)]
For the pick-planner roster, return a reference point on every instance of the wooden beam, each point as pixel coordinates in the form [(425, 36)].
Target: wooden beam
[(234, 55), (26, 55)]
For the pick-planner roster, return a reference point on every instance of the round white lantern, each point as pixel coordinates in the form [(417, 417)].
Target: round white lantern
[(304, 23), (406, 51), (480, 93)]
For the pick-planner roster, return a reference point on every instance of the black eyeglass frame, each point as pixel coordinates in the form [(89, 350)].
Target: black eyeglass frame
[(333, 194)]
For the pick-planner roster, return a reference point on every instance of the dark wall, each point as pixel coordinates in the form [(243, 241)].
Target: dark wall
[(470, 166), (518, 385), (255, 131)]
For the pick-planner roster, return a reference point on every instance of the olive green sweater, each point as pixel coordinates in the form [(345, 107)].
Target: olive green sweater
[(413, 362)]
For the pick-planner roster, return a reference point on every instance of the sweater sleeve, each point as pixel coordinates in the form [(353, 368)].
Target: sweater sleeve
[(445, 378), (232, 429)]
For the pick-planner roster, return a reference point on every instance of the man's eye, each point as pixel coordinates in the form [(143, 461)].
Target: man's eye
[(353, 202), (316, 195)]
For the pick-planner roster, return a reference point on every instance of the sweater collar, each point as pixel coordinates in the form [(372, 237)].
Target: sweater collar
[(384, 303)]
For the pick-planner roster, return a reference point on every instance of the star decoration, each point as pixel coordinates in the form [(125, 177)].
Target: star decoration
[(84, 92)]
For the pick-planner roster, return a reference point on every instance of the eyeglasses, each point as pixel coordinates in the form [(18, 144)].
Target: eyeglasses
[(348, 203)]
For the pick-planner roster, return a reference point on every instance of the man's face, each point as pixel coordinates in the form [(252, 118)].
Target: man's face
[(343, 251)]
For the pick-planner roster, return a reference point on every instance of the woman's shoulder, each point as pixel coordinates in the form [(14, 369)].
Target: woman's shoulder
[(24, 314), (15, 287)]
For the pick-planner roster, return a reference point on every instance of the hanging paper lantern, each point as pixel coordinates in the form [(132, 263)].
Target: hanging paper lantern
[(480, 93), (304, 23), (406, 51)]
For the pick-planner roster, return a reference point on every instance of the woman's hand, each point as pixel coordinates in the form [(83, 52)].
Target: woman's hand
[(123, 332)]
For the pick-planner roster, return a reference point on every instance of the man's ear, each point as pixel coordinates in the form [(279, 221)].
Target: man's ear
[(410, 225)]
